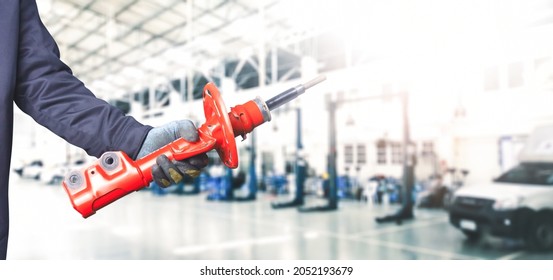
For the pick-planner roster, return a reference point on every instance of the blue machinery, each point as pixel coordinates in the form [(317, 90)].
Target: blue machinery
[(222, 188)]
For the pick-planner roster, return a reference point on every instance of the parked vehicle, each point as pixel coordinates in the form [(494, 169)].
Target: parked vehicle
[(439, 192), (47, 174), (30, 170), (518, 204), (54, 174), (382, 189), (434, 195)]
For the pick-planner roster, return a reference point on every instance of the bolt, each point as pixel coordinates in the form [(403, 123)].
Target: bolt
[(109, 160), (73, 179)]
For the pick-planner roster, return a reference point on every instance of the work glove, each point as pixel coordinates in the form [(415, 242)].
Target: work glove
[(166, 172)]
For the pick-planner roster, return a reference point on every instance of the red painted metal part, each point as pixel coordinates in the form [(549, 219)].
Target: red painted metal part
[(245, 117), (219, 127), (115, 175)]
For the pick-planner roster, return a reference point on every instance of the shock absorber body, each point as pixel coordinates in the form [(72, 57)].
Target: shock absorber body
[(115, 174)]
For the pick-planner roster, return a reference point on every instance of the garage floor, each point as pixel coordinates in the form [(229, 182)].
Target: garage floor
[(144, 226)]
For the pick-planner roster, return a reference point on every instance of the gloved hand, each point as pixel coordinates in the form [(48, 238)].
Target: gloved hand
[(167, 172)]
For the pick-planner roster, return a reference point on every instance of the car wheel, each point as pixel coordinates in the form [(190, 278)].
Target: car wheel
[(472, 235), (540, 235), (19, 171)]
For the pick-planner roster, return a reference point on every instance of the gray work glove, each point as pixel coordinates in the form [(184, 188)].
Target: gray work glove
[(167, 172)]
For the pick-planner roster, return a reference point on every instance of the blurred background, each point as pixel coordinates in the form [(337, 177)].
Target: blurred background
[(432, 137)]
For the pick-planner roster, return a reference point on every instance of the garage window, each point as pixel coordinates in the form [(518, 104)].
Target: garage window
[(381, 152), (397, 155), (427, 149), (348, 154), (361, 154)]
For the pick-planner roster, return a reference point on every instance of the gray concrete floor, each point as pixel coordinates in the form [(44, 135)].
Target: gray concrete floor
[(144, 226)]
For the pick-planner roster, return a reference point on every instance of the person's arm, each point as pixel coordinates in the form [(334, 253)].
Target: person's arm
[(48, 91)]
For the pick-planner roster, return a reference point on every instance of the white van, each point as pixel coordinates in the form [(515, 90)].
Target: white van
[(517, 204)]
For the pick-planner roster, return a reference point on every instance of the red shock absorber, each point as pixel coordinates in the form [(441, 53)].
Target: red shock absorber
[(115, 175)]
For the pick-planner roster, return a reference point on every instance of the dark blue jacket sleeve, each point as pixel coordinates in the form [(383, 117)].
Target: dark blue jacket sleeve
[(47, 90)]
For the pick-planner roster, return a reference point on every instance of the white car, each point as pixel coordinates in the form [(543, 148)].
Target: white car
[(518, 204), (30, 170), (54, 174)]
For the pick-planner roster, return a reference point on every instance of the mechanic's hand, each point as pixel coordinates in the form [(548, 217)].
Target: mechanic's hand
[(167, 172)]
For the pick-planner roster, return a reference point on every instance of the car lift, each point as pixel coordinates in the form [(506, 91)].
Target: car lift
[(252, 176), (300, 170), (406, 211), (332, 178)]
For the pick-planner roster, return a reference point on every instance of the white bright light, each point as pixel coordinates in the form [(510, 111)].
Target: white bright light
[(248, 28), (154, 63), (208, 44), (510, 203), (132, 72), (245, 53), (179, 54), (418, 36)]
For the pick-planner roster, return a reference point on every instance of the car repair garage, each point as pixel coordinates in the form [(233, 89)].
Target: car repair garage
[(305, 130)]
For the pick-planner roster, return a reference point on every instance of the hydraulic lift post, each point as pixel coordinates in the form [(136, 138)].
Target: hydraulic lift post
[(406, 210), (331, 165), (300, 169), (252, 173)]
